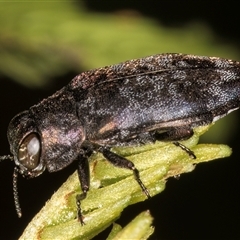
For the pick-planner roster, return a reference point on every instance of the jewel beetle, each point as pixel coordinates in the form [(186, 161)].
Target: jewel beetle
[(161, 97)]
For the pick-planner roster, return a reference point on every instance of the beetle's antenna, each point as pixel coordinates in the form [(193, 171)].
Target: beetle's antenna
[(2, 158), (15, 192), (15, 189)]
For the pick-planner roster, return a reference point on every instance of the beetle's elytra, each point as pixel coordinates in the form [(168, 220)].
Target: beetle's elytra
[(161, 97)]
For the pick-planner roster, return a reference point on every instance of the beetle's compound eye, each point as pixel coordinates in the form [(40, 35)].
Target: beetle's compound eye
[(29, 151)]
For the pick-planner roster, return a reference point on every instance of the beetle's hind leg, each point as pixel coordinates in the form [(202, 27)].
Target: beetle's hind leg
[(175, 134)]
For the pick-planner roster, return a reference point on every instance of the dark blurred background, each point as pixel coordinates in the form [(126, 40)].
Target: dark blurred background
[(43, 45)]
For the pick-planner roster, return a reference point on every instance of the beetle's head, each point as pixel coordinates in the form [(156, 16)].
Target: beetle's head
[(25, 145)]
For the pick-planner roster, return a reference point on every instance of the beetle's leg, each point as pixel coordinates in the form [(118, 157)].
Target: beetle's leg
[(174, 134), (179, 133), (84, 178), (122, 162), (187, 150)]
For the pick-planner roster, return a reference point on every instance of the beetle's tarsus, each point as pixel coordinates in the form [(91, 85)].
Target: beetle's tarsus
[(80, 216), (187, 150), (139, 181)]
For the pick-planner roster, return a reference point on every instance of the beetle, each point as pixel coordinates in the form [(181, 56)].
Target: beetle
[(161, 97)]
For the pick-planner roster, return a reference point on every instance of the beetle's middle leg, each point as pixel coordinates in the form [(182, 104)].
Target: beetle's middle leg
[(122, 162), (175, 134)]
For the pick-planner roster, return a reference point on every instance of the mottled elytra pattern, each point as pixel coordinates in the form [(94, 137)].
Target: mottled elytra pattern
[(167, 88), (161, 97)]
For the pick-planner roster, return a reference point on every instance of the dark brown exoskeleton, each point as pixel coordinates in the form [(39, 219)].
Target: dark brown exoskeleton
[(161, 97)]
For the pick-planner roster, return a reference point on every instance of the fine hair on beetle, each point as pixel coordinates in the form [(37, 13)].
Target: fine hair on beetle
[(157, 98)]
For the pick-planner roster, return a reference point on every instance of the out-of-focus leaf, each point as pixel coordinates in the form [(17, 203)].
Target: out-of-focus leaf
[(139, 228), (39, 40)]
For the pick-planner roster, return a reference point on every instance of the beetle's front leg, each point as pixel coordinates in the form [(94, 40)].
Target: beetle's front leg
[(84, 178)]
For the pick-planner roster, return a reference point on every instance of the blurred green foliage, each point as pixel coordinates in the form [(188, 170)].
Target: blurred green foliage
[(40, 40)]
